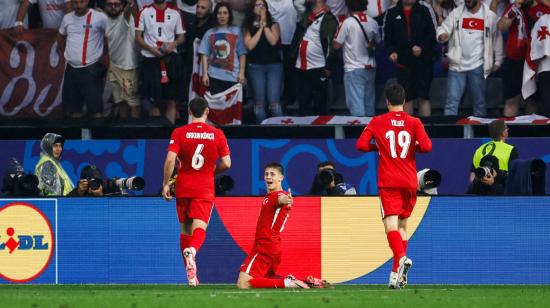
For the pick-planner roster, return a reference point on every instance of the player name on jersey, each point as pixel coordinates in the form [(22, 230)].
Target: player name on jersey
[(195, 135), (398, 123)]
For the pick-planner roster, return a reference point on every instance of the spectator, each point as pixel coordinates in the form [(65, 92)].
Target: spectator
[(497, 6), (286, 16), (504, 153), (359, 35), (475, 50), (51, 12), (91, 181), (82, 34), (316, 58), (123, 54), (222, 51), (261, 38), (443, 8), (409, 36), (514, 22), (52, 178), (537, 67), (13, 15), (158, 34), (195, 29)]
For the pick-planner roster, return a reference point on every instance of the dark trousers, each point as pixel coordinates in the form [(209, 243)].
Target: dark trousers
[(312, 94), (543, 88)]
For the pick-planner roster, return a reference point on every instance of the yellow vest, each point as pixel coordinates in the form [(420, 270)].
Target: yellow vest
[(65, 179), (498, 149)]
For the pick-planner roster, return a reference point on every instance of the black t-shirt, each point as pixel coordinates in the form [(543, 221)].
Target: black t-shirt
[(263, 53)]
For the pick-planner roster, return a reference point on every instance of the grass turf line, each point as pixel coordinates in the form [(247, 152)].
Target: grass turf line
[(228, 296)]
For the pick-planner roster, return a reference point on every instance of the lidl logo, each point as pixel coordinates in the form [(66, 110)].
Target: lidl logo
[(26, 242)]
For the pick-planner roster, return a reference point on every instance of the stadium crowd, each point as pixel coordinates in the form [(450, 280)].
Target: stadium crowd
[(286, 53)]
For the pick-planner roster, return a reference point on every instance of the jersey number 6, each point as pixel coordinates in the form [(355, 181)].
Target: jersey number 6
[(198, 160), (404, 141)]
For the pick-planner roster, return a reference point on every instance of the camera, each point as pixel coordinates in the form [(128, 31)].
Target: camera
[(223, 184), (134, 183), (482, 172), (487, 164), (428, 181), (94, 183), (326, 177)]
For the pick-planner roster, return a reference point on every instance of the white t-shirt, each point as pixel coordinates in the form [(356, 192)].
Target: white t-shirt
[(473, 29), (311, 53), (85, 36), (8, 13), (159, 26), (285, 15), (376, 8), (51, 11), (355, 47), (122, 46)]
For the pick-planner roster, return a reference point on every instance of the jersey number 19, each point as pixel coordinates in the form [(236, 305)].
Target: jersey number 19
[(403, 140)]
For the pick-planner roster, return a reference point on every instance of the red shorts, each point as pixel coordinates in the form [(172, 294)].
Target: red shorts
[(188, 208), (261, 265), (397, 201)]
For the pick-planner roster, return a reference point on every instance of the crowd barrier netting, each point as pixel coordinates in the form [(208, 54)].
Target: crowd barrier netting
[(454, 240)]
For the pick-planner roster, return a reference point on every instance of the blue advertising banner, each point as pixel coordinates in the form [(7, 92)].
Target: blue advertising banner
[(452, 240), (123, 158)]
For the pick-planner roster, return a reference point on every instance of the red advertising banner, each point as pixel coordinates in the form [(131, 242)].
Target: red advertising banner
[(31, 74)]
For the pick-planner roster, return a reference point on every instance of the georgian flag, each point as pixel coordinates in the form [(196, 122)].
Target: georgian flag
[(225, 107), (527, 119), (539, 47), (317, 120)]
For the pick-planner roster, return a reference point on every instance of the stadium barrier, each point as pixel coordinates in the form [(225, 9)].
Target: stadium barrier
[(454, 240), (145, 158)]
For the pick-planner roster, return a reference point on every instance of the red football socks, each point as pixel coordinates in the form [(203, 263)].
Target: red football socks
[(267, 283), (396, 245), (405, 243), (184, 243), (197, 239)]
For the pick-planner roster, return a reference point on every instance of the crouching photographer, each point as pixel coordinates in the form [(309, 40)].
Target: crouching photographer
[(488, 178), (328, 182), (92, 184), (17, 183)]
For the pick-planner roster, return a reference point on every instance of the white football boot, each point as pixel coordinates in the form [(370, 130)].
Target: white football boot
[(191, 266), (405, 265), (394, 281)]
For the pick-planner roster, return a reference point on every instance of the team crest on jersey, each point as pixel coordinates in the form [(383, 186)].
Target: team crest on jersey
[(26, 242)]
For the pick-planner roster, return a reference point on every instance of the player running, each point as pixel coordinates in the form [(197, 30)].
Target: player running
[(198, 146), (398, 137), (260, 266)]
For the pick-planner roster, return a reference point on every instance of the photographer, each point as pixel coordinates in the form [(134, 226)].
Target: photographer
[(90, 183), (17, 183), (327, 182), (489, 179)]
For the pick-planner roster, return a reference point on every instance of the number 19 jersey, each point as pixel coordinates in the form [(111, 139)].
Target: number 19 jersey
[(396, 134), (198, 146)]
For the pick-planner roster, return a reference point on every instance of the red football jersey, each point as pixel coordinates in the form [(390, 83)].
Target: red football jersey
[(271, 223), (396, 134), (536, 11), (198, 146)]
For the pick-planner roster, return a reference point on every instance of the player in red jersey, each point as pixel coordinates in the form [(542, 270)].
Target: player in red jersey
[(260, 266), (198, 146), (398, 138)]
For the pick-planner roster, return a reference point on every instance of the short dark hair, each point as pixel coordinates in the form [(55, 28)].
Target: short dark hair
[(356, 5), (217, 9), (325, 164), (395, 94), (277, 166), (198, 106), (496, 128)]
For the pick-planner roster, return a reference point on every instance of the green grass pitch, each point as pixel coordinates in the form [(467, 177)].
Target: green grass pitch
[(221, 296)]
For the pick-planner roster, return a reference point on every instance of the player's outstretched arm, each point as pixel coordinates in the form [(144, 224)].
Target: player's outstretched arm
[(225, 163), (286, 200), (168, 169)]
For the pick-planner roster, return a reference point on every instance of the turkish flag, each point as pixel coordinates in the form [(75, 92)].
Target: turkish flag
[(473, 24)]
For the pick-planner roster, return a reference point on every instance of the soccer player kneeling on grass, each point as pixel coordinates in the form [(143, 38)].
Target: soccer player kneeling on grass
[(260, 266), (398, 137)]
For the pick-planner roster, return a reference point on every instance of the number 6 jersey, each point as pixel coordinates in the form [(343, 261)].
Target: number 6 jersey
[(396, 135), (198, 146)]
